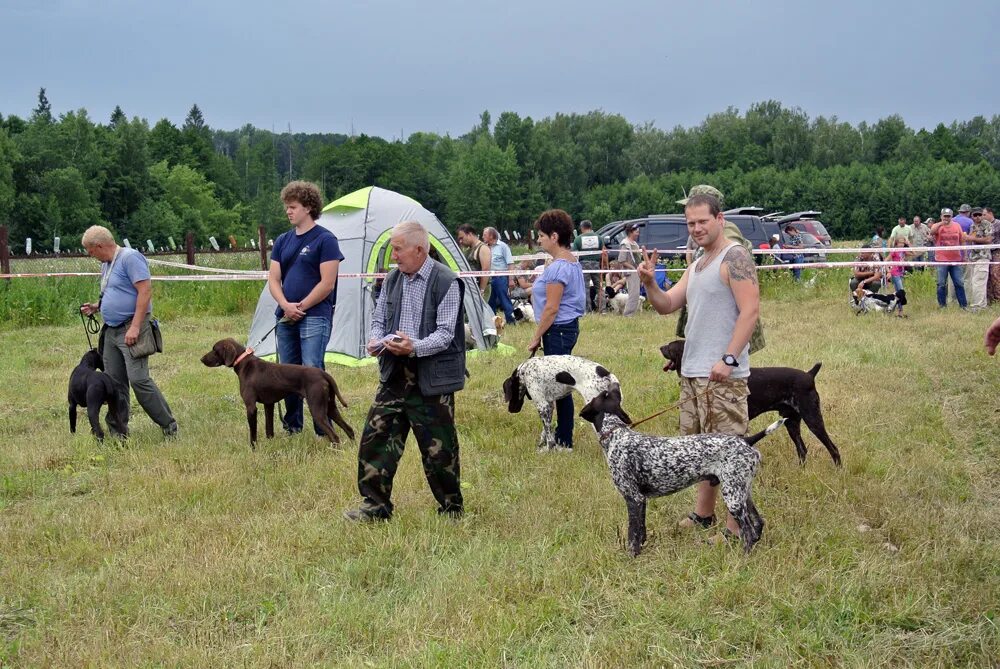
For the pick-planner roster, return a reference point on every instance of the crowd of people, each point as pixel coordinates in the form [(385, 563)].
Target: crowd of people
[(975, 282), (417, 327)]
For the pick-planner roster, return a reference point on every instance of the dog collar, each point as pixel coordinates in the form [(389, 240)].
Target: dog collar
[(243, 355)]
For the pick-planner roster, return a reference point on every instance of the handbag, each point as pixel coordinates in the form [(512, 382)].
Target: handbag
[(150, 340)]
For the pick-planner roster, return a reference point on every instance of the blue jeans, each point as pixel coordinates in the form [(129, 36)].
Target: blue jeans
[(560, 340), (500, 298), (942, 284), (302, 343), (897, 283)]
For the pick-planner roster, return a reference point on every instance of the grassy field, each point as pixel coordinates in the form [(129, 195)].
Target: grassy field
[(197, 552)]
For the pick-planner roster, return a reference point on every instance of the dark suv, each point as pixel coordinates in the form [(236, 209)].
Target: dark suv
[(668, 232)]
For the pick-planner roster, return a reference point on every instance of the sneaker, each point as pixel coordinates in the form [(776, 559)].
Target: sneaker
[(693, 520), (170, 431), (362, 516)]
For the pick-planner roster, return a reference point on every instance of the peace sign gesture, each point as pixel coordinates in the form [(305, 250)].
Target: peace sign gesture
[(647, 268)]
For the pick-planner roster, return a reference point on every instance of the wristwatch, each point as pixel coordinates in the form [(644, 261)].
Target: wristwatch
[(730, 360)]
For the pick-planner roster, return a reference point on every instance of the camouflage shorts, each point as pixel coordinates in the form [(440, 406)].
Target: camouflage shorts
[(721, 410)]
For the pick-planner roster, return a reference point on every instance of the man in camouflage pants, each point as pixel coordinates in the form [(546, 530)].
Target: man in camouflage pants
[(418, 334)]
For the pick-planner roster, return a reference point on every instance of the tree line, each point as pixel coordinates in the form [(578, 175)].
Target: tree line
[(59, 175)]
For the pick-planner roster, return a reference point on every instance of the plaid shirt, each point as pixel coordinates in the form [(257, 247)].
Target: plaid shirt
[(414, 288)]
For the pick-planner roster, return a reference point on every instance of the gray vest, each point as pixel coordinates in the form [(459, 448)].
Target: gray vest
[(442, 372), (712, 314)]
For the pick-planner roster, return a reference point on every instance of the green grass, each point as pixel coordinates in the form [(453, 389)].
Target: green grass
[(198, 552)]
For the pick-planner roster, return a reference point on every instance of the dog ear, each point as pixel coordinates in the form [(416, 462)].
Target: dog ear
[(601, 372), (228, 351), (513, 393), (566, 378)]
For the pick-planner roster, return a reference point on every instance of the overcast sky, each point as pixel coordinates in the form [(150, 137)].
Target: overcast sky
[(391, 67)]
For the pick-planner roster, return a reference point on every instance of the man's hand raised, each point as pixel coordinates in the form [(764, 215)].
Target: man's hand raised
[(647, 268)]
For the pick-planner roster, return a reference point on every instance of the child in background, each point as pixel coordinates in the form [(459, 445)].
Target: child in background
[(898, 254)]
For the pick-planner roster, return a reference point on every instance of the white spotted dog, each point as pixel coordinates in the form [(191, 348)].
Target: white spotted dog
[(645, 466), (547, 379), (523, 311)]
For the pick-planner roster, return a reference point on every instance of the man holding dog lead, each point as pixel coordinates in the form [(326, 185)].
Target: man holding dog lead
[(125, 304), (722, 296), (303, 281), (418, 334)]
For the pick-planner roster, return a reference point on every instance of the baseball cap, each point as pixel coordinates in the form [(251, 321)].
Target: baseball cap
[(703, 189), (946, 211), (977, 210), (964, 209)]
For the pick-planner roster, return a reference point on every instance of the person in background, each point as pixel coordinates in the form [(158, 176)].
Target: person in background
[(978, 273), (963, 218), (866, 274), (993, 286), (896, 272), (920, 235), (524, 281), (125, 304), (501, 260), (948, 233), (878, 239), (303, 281), (793, 241), (477, 252), (558, 300), (630, 255), (588, 240), (901, 229)]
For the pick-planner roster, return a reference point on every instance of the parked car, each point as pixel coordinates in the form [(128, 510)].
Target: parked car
[(806, 221), (668, 232), (813, 250)]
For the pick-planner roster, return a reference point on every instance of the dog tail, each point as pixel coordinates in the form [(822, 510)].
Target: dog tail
[(815, 370), (334, 389), (753, 439)]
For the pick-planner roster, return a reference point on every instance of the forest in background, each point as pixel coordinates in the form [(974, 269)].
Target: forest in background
[(59, 174)]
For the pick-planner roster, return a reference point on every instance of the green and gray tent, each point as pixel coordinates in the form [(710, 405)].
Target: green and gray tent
[(362, 222)]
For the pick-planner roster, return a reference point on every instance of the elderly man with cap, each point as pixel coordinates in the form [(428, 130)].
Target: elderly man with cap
[(731, 232)]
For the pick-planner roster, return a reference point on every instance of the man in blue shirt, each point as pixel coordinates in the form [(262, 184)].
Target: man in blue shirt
[(125, 304), (501, 260), (303, 281)]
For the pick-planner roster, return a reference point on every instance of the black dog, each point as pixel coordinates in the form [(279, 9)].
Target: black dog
[(269, 383), (92, 389), (790, 392)]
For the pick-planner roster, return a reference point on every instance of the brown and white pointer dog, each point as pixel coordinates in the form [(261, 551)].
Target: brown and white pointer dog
[(269, 383), (790, 392)]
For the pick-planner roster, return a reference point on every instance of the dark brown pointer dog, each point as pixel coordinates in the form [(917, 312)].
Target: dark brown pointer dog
[(790, 392), (269, 383)]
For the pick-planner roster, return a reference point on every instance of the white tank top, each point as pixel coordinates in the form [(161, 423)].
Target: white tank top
[(712, 314)]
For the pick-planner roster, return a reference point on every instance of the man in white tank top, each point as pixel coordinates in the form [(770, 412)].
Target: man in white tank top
[(721, 293)]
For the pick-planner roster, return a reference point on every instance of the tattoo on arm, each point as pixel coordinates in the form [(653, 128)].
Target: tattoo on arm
[(741, 265)]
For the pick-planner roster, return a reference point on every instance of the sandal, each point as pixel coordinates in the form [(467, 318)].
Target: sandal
[(694, 520)]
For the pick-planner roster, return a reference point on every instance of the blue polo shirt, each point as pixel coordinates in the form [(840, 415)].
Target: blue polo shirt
[(118, 301), (313, 248)]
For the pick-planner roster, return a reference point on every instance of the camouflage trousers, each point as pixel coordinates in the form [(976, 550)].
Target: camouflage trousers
[(397, 408), (714, 406)]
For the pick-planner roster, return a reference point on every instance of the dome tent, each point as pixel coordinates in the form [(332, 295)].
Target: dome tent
[(363, 221)]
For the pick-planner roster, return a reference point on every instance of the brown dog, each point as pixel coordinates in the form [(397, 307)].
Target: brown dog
[(790, 392), (269, 383)]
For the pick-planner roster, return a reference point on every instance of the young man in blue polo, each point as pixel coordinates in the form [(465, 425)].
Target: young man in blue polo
[(303, 281)]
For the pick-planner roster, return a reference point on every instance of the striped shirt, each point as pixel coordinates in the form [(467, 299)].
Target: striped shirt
[(414, 288)]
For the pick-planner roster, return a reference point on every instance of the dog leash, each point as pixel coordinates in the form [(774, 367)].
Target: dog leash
[(250, 349), (90, 326), (675, 405)]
